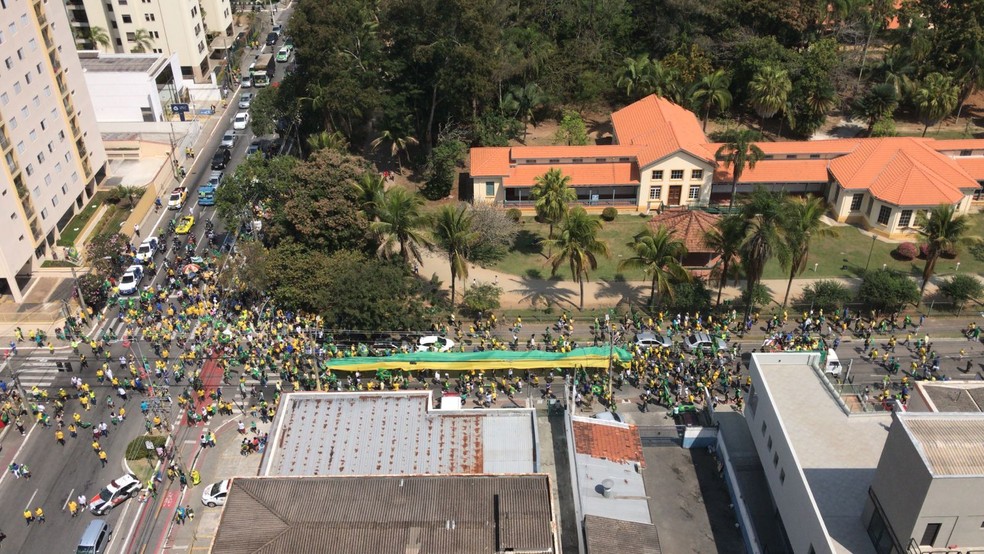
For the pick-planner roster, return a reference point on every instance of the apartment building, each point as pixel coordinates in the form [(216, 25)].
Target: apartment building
[(53, 155), (182, 27)]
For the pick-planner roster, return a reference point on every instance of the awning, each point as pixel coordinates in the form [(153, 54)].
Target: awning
[(590, 357)]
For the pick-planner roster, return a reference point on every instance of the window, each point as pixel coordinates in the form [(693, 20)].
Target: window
[(965, 152), (127, 19), (856, 202), (44, 124), (47, 180), (765, 427), (790, 156), (657, 175), (490, 188), (131, 36), (601, 160), (770, 444), (27, 77), (54, 201), (577, 160), (47, 90), (149, 16), (36, 191), (44, 213), (17, 87), (9, 62), (782, 476), (878, 533), (4, 98), (929, 536), (198, 29), (775, 460), (814, 156), (13, 122), (884, 213), (25, 113), (64, 190), (29, 170), (655, 193), (697, 174), (20, 147), (553, 161), (33, 43), (40, 157), (676, 174), (201, 47), (20, 53), (34, 135), (37, 101), (194, 11), (905, 218), (625, 160), (694, 192)]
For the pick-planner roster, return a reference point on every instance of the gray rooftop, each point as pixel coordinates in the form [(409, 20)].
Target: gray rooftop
[(121, 63), (394, 433), (604, 536), (950, 396), (628, 500), (382, 515), (837, 453), (951, 444)]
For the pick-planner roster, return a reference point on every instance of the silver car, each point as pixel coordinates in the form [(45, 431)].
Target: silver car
[(650, 340), (229, 139), (705, 342), (245, 99)]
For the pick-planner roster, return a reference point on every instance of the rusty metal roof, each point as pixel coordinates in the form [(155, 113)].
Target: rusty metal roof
[(394, 433), (380, 515)]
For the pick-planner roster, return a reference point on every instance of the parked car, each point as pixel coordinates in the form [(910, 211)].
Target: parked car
[(215, 178), (289, 41), (254, 147), (284, 54), (216, 493), (221, 158), (245, 100), (649, 340), (239, 123), (115, 493), (246, 82), (272, 39), (177, 198), (229, 139), (146, 250), (185, 224), (434, 343), (131, 279), (279, 29), (703, 341)]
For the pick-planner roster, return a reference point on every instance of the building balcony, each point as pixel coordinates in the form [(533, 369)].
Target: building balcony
[(28, 209), (4, 141), (55, 63)]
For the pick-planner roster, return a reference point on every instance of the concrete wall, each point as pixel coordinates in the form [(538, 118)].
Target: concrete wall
[(957, 504), (479, 190), (218, 16)]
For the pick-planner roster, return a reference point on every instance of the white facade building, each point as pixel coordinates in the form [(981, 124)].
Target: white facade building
[(182, 27), (53, 156), (131, 87)]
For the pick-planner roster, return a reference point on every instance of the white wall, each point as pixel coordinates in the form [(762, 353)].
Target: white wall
[(120, 96), (680, 160), (478, 190), (218, 15)]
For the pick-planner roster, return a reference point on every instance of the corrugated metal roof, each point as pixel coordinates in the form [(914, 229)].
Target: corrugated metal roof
[(951, 444), (605, 535), (392, 433), (380, 515)]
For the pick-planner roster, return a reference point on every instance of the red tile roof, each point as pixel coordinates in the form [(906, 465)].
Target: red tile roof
[(958, 144), (591, 151), (902, 171), (489, 162), (690, 226), (973, 166), (580, 174), (662, 127), (614, 443), (778, 171)]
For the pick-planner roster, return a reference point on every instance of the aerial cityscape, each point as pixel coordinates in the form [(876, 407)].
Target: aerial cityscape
[(462, 276)]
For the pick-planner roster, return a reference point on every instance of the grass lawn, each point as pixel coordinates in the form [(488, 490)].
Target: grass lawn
[(81, 219), (529, 258)]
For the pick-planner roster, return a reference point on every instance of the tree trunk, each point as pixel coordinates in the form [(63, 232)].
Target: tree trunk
[(652, 293), (721, 281), (454, 275), (789, 285), (707, 115), (429, 134), (581, 281), (928, 271), (925, 128), (734, 192)]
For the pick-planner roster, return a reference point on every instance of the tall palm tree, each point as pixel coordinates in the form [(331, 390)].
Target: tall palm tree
[(769, 91), (935, 99), (943, 229), (658, 253), (578, 245), (398, 144), (400, 223), (368, 189), (331, 141), (739, 152), (636, 75), (526, 100), (142, 41), (551, 193), (453, 233), (725, 241), (801, 226), (877, 103), (712, 92), (897, 69), (764, 237), (99, 37)]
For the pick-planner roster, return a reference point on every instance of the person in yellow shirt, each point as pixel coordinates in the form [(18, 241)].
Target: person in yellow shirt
[(39, 515), (73, 507), (60, 437)]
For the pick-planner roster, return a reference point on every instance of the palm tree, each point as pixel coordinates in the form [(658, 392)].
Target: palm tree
[(897, 69), (398, 144), (935, 99), (525, 101), (400, 223), (802, 225), (725, 241), (370, 187), (453, 232), (877, 103), (142, 41), (712, 91), (578, 245), (738, 151), (636, 74), (99, 37), (943, 229), (764, 237), (769, 90), (658, 253), (551, 194), (331, 141)]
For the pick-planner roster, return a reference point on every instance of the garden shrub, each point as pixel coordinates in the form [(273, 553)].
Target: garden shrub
[(907, 251), (609, 214), (514, 214)]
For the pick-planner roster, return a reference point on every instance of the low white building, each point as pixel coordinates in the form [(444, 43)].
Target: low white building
[(131, 87)]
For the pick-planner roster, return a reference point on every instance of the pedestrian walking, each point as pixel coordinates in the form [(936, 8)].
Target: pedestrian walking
[(28, 516), (102, 458), (39, 515), (136, 229), (73, 507)]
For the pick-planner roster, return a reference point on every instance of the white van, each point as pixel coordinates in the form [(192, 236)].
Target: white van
[(833, 366)]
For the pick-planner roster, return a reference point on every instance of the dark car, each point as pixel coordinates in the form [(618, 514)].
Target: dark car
[(272, 39), (221, 158), (254, 147)]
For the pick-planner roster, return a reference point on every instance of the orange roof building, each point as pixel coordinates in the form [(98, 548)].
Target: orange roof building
[(690, 226), (661, 158)]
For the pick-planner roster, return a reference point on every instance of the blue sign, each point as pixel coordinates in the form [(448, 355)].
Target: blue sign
[(180, 108)]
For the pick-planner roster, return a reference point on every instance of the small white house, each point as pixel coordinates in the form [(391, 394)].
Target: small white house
[(131, 87)]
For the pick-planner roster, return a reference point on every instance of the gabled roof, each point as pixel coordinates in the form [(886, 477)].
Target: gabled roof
[(690, 226), (777, 171), (491, 161), (662, 127), (581, 174), (902, 171)]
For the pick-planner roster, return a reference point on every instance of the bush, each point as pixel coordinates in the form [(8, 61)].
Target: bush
[(977, 250), (482, 297), (137, 449), (495, 231), (948, 253), (884, 127), (609, 214), (690, 297), (828, 295), (514, 214), (761, 296), (907, 251), (887, 291), (961, 288)]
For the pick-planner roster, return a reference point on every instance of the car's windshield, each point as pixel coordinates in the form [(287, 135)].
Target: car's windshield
[(127, 279), (106, 494)]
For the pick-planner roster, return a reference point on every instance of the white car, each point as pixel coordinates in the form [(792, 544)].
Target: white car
[(131, 279), (434, 343), (146, 250), (245, 100), (242, 119), (229, 139), (247, 82), (216, 493), (114, 494)]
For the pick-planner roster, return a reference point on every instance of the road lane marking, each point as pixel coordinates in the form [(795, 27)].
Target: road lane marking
[(17, 454), (67, 500), (28, 507)]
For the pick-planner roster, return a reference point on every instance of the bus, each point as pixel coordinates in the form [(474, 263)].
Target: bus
[(262, 70)]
